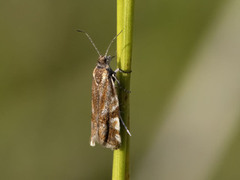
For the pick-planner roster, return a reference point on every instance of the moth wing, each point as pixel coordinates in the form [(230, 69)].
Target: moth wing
[(103, 107), (114, 138), (95, 109), (105, 126)]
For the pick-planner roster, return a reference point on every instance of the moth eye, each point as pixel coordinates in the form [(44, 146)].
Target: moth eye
[(108, 58)]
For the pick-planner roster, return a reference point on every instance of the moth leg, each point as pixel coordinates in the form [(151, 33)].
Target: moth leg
[(115, 78), (124, 125), (122, 71)]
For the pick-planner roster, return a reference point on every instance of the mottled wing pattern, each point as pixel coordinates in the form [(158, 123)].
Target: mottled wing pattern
[(105, 126), (114, 138)]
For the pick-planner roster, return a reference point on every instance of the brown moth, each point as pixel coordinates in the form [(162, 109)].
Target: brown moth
[(105, 122)]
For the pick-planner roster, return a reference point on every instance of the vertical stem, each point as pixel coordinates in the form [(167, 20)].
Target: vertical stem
[(124, 54)]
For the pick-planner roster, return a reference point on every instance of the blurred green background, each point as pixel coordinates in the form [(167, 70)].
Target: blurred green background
[(185, 87)]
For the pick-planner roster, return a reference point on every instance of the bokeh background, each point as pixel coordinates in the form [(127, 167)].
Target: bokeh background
[(185, 100)]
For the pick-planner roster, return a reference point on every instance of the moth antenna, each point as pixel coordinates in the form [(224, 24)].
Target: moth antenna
[(90, 40), (112, 42)]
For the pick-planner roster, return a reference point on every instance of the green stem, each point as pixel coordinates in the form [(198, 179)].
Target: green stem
[(124, 54)]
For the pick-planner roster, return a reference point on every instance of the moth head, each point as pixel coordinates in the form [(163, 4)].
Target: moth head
[(104, 60)]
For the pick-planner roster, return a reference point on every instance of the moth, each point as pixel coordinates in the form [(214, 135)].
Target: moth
[(105, 120)]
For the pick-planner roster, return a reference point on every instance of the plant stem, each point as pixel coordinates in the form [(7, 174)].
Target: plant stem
[(124, 54)]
